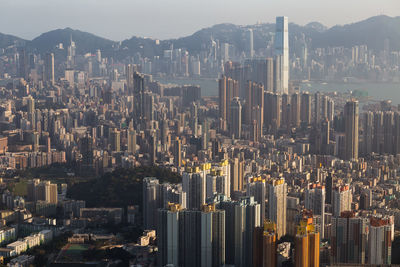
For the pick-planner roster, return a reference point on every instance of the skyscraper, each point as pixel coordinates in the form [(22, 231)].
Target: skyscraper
[(153, 201), (212, 236), (177, 152), (349, 237), (277, 74), (285, 117), (307, 244), (237, 170), (49, 68), (377, 141), (42, 191), (23, 67), (396, 132), (305, 112), (295, 111), (315, 201), (341, 200), (380, 241), (277, 193), (274, 114), (265, 245), (269, 75), (250, 47), (222, 103), (317, 107), (368, 132), (388, 119), (257, 189), (168, 235), (131, 140), (31, 111), (254, 107), (86, 146), (228, 89), (194, 185), (244, 217), (218, 180), (351, 129), (282, 50), (235, 125), (191, 237), (115, 140)]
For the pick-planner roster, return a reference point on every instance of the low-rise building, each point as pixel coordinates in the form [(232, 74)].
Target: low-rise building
[(21, 261), (18, 246)]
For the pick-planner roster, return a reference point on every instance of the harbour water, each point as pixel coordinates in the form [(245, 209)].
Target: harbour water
[(376, 91)]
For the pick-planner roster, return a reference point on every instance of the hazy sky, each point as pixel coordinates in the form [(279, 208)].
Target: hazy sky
[(121, 19)]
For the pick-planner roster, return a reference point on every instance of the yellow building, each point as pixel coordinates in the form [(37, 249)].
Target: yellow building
[(307, 243)]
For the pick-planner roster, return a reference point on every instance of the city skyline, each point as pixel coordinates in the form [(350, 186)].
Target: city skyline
[(169, 20), (268, 172)]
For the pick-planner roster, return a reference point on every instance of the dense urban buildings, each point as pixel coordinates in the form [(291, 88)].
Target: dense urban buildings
[(261, 172)]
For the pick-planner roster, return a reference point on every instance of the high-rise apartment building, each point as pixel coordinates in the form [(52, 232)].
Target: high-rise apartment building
[(265, 245), (295, 110), (153, 201), (244, 217), (177, 152), (380, 241), (202, 237), (42, 191), (257, 189), (218, 180), (351, 129), (115, 140), (388, 135), (194, 185), (341, 200), (315, 201), (307, 242), (396, 132), (277, 193), (285, 117), (368, 130), (212, 236), (305, 110), (235, 125), (228, 89), (237, 172), (272, 111), (31, 111), (168, 235), (131, 140), (349, 237), (254, 107), (377, 141), (317, 108)]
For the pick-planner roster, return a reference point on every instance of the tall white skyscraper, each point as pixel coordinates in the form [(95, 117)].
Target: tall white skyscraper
[(250, 46), (282, 52)]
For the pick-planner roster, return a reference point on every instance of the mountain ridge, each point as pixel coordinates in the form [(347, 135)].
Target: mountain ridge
[(371, 31)]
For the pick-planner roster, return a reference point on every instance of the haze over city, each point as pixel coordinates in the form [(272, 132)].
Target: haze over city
[(164, 19), (242, 134)]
